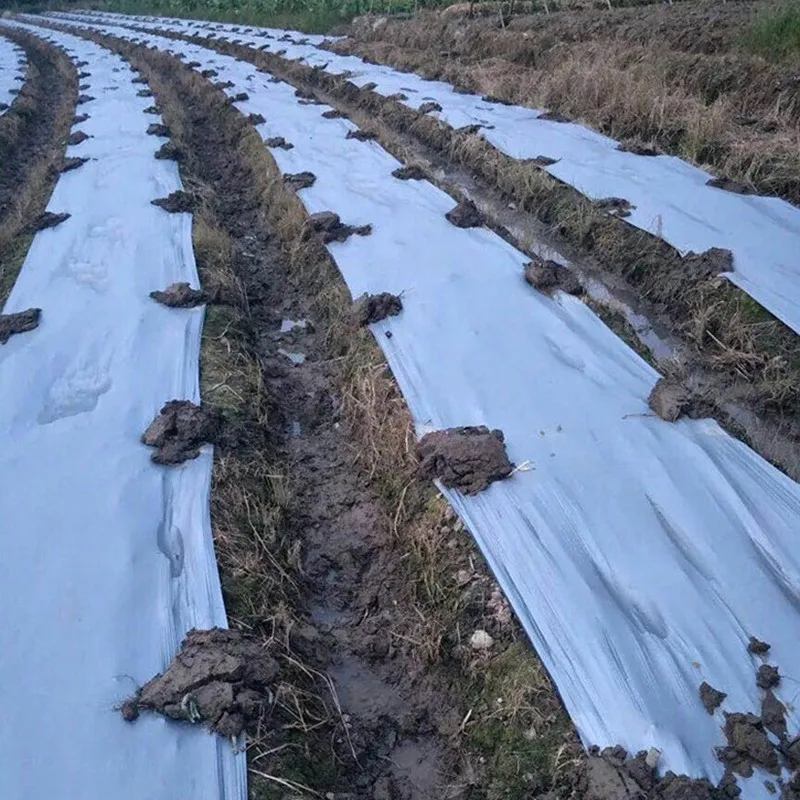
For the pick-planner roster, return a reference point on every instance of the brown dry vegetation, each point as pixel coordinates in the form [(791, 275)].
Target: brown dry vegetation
[(675, 76), (442, 591), (33, 135)]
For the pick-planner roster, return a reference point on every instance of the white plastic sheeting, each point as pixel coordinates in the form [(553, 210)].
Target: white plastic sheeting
[(639, 555), (105, 558), (669, 196), (12, 72)]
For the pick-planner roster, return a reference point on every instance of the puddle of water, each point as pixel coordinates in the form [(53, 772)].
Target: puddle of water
[(290, 324), (295, 358)]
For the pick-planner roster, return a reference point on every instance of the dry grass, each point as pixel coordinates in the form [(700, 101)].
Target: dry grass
[(722, 109)]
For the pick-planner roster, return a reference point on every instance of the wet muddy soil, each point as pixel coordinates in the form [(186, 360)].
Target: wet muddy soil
[(180, 295), (21, 322), (180, 429)]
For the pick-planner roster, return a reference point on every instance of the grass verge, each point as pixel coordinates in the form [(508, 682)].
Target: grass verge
[(775, 34)]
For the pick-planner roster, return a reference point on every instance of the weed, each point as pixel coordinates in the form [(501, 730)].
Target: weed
[(775, 33)]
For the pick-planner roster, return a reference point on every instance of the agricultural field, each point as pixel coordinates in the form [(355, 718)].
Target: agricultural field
[(399, 402)]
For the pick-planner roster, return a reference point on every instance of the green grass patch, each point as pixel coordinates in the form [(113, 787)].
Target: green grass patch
[(775, 32)]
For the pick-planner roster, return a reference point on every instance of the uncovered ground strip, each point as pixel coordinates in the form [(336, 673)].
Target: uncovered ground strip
[(120, 544), (650, 524), (668, 197)]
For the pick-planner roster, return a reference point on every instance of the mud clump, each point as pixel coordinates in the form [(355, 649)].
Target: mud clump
[(371, 308), (554, 116), (710, 697), (47, 220), (83, 98), (615, 206), (180, 295), (767, 677), (240, 98), (180, 429), (412, 172), (748, 745), (426, 108), (158, 129), (332, 114), (773, 714), (77, 138), (332, 229), (176, 203), (209, 73), (169, 151), (72, 163), (468, 459), (279, 141), (727, 185), (542, 161), (299, 180), (79, 118), (256, 119), (707, 264), (219, 678), (144, 93), (757, 647), (549, 277), (465, 215), (20, 322), (669, 400), (361, 136), (637, 148)]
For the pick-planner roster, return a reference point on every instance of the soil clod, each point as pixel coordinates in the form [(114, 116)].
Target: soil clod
[(748, 745), (241, 97), (371, 308), (728, 185), (219, 678), (144, 93), (757, 647), (637, 148), (279, 141), (669, 400), (773, 714), (170, 152), (77, 120), (77, 137), (710, 697), (412, 172), (299, 180), (255, 119), (180, 429), (176, 203), (616, 206), (465, 215), (209, 73), (542, 161), (332, 229), (767, 676), (20, 322), (332, 114), (548, 277), (72, 163), (707, 264), (426, 108), (361, 136), (554, 116), (468, 459), (180, 295), (158, 129), (83, 98), (48, 220), (152, 110)]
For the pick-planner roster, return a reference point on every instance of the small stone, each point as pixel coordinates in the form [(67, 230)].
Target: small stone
[(481, 640)]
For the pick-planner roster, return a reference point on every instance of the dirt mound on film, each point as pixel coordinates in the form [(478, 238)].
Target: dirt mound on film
[(180, 295), (219, 678), (180, 429), (21, 322), (331, 228), (371, 308), (465, 215), (549, 277), (468, 459)]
